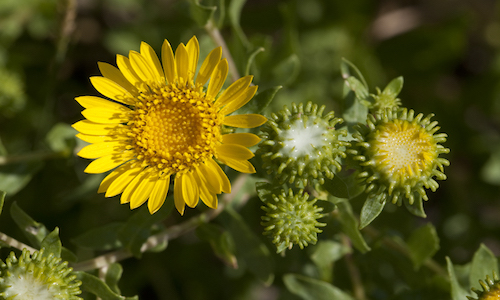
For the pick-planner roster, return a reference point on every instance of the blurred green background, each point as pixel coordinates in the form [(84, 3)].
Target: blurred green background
[(448, 52)]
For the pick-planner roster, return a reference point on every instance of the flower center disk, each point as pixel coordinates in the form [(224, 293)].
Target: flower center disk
[(175, 128)]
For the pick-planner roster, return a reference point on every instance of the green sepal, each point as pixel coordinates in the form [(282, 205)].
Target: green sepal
[(313, 289), (423, 244), (394, 87), (112, 277), (94, 285), (52, 244), (250, 250), (201, 14), (220, 240), (138, 227), (372, 207), (100, 238), (34, 231), (457, 291), (483, 263), (350, 225)]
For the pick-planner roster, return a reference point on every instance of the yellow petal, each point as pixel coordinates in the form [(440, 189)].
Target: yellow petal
[(243, 166), (239, 101), (88, 127), (236, 89), (100, 138), (102, 149), (125, 67), (142, 68), (244, 139), (179, 202), (113, 73), (105, 115), (190, 191), (108, 180), (133, 186), (233, 151), (222, 177), (217, 79), (210, 178), (144, 190), (111, 89), (159, 194), (122, 180), (208, 66), (244, 121), (208, 197), (182, 62), (150, 55), (168, 62), (193, 50), (108, 162), (93, 102)]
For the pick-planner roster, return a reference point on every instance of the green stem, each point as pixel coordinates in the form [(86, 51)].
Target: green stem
[(354, 274), (11, 159), (217, 37)]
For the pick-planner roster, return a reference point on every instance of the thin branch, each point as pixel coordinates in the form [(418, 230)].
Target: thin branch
[(11, 159), (217, 37), (355, 276), (15, 243)]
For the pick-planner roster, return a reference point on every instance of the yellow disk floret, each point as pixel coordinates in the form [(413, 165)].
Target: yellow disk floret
[(397, 153), (491, 289)]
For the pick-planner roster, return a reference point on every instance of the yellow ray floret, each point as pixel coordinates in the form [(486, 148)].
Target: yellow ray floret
[(160, 119)]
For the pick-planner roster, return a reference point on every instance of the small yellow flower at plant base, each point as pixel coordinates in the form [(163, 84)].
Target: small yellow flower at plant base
[(397, 154), (162, 119), (491, 289), (301, 145), (37, 277)]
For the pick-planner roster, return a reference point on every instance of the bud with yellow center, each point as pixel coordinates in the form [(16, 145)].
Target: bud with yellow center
[(491, 289)]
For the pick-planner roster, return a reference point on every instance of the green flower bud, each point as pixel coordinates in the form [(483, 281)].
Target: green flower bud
[(397, 154), (301, 145), (384, 100), (37, 277), (292, 219), (491, 289)]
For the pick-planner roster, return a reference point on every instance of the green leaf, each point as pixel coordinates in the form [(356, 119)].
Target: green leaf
[(249, 248), (61, 138), (2, 200), (94, 285), (457, 292), (423, 244), (357, 87), (348, 69), (417, 208), (313, 289), (35, 232), (251, 58), (287, 70), (101, 238), (484, 263), (137, 229), (221, 241), (52, 244), (350, 226), (372, 207), (14, 177), (201, 14), (113, 275), (325, 253), (343, 186), (234, 13), (394, 87)]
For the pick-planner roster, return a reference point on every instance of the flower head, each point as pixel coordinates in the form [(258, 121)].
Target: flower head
[(292, 219), (37, 277), (161, 121), (398, 154), (491, 289), (301, 145)]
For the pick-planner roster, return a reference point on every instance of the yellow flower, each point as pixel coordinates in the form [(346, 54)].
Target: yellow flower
[(162, 121)]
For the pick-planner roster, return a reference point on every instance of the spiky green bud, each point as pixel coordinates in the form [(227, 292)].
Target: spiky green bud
[(491, 289)]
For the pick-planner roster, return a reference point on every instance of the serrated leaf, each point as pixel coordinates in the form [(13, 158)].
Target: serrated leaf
[(372, 207), (113, 275), (313, 289), (249, 248), (201, 14), (100, 238), (52, 244), (94, 285), (134, 233), (14, 177), (417, 208), (484, 263), (34, 231), (394, 87), (457, 292), (423, 244), (350, 226)]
